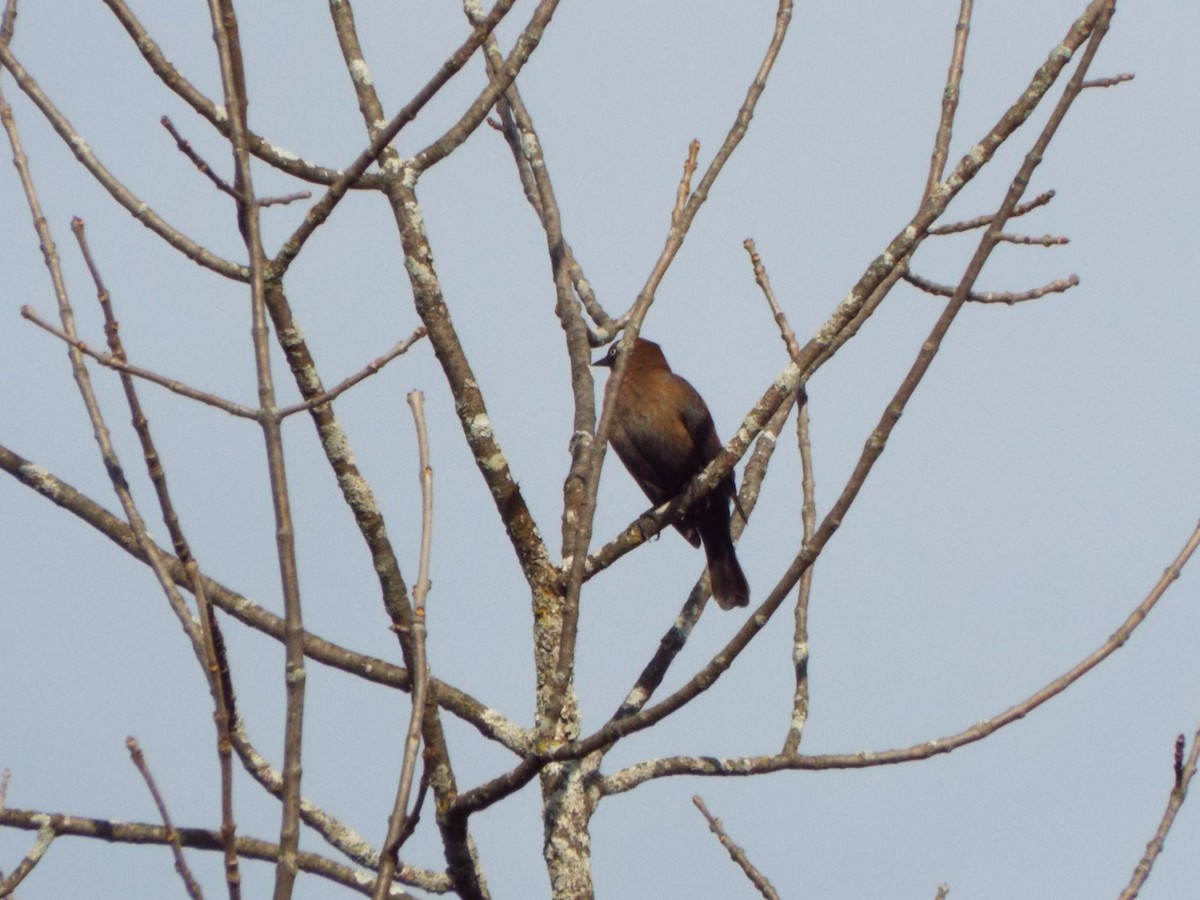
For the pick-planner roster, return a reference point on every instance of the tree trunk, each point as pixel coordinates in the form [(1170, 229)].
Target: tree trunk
[(568, 801)]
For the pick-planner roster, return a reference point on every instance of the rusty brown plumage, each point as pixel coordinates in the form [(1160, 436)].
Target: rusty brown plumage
[(664, 434)]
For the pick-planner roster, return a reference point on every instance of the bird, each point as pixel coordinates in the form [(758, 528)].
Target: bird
[(664, 434)]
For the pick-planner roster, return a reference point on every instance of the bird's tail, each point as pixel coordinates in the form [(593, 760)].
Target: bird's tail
[(729, 585)]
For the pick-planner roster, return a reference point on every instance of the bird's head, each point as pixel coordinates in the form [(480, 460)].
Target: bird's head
[(643, 354)]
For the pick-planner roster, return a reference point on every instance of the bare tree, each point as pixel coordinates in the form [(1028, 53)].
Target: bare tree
[(445, 731)]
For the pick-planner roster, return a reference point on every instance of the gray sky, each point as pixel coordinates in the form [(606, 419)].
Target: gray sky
[(1036, 487)]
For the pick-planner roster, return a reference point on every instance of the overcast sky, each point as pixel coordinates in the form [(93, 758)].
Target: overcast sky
[(1039, 482)]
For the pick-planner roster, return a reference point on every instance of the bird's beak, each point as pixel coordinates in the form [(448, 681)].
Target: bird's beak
[(602, 361)]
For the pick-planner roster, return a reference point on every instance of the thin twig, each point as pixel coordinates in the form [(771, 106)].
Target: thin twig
[(133, 204), (476, 113), (371, 368), (41, 843), (941, 143), (490, 723), (1108, 82), (198, 161), (216, 666), (684, 191), (284, 160), (808, 515), (463, 862), (116, 832), (321, 210), (83, 381), (221, 687), (412, 741), (764, 282), (1007, 297), (6, 34), (658, 768), (983, 221), (8, 23), (181, 866), (808, 511), (1183, 777), (221, 184), (332, 830), (233, 85), (736, 853), (109, 361), (284, 199), (1046, 240), (516, 124)]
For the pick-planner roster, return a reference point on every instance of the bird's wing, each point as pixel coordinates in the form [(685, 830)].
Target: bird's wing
[(699, 423), (643, 457)]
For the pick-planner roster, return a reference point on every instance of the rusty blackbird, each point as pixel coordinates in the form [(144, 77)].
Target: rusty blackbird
[(664, 434)]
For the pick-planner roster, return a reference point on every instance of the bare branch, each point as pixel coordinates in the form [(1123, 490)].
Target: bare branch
[(109, 361), (808, 515), (233, 84), (181, 866), (8, 23), (332, 830), (83, 382), (284, 160), (764, 282), (1046, 240), (1112, 81), (528, 41), (882, 272), (216, 664), (458, 846), (941, 144), (204, 168), (380, 143), (684, 191), (200, 839), (658, 768), (736, 853), (516, 124), (857, 306), (132, 203), (1183, 777), (41, 843), (412, 742), (1008, 297), (221, 184), (983, 221), (487, 721), (371, 368)]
